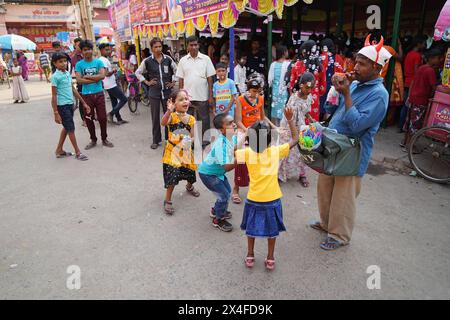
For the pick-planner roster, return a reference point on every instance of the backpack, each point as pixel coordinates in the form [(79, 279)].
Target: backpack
[(338, 155)]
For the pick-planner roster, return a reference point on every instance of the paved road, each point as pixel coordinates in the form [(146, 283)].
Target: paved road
[(105, 216)]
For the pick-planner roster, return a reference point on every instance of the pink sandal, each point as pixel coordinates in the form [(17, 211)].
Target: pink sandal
[(270, 264), (249, 262)]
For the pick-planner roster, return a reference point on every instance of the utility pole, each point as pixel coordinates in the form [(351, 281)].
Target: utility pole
[(87, 28)]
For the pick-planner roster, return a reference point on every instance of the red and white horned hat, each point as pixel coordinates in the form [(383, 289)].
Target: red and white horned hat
[(375, 51)]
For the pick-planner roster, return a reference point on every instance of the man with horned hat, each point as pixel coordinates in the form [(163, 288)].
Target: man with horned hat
[(363, 102)]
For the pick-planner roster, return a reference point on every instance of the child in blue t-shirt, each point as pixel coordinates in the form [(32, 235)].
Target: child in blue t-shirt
[(212, 170), (224, 91), (63, 105)]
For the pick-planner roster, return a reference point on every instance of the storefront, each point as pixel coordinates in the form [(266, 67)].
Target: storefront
[(40, 23)]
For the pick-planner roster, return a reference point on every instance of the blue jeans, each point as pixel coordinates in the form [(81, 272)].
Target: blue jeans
[(118, 100), (222, 191)]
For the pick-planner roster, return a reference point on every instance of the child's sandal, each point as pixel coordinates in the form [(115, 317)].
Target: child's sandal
[(249, 262), (168, 207), (193, 191), (270, 264)]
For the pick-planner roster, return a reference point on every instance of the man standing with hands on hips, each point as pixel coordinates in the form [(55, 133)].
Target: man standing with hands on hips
[(361, 108), (157, 72), (196, 72)]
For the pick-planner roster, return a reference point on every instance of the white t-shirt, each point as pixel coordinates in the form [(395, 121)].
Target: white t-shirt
[(195, 73), (133, 59), (108, 82), (240, 77)]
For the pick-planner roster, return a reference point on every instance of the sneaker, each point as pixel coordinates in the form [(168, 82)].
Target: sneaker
[(222, 225), (108, 144), (227, 216), (121, 121)]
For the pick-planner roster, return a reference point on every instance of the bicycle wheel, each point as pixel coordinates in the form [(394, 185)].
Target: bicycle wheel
[(429, 153), (132, 104)]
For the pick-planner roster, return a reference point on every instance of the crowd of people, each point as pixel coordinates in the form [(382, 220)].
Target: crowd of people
[(194, 87)]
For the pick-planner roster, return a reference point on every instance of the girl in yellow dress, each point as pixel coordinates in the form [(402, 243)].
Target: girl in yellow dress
[(178, 159)]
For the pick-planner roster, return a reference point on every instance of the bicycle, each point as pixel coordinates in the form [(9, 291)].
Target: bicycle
[(136, 94)]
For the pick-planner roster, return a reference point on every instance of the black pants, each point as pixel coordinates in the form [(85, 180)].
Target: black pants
[(80, 106), (118, 100), (155, 104), (202, 108)]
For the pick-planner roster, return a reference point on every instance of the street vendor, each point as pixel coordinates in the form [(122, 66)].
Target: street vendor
[(362, 105)]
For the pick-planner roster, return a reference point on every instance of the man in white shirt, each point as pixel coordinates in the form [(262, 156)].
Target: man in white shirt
[(118, 99), (195, 73), (240, 74)]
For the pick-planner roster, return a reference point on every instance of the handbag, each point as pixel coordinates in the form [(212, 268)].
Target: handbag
[(338, 154)]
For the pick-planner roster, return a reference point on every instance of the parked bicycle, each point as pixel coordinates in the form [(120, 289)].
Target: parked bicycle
[(136, 94)]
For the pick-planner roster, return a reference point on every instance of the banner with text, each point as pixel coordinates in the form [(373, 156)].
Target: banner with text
[(186, 9), (122, 12)]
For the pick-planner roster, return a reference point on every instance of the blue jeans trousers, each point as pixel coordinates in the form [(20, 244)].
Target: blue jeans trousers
[(118, 100), (221, 189)]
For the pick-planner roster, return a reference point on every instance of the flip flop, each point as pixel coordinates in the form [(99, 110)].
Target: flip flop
[(331, 244), (65, 154), (236, 199), (316, 225)]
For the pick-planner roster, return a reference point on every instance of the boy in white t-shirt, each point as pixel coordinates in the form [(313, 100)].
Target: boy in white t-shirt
[(118, 99)]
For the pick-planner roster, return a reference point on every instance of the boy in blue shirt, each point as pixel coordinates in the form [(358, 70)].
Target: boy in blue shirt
[(224, 91), (63, 105), (212, 170), (90, 72)]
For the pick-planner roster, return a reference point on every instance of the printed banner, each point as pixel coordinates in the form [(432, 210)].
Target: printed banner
[(137, 9), (35, 13), (122, 10), (156, 12), (185, 9), (446, 71), (42, 36)]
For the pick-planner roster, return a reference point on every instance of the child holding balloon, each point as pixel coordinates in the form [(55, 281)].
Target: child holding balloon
[(300, 101)]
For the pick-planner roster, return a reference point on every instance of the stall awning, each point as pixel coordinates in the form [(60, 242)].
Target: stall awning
[(179, 18)]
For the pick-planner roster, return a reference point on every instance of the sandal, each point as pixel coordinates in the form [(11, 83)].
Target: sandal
[(82, 157), (270, 264), (168, 207), (64, 154), (331, 244), (249, 262), (317, 226), (236, 199), (304, 181), (193, 191)]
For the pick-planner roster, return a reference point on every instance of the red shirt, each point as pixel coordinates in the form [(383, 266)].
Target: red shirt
[(422, 87), (412, 59)]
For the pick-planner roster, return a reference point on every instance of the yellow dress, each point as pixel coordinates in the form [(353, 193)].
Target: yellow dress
[(178, 160)]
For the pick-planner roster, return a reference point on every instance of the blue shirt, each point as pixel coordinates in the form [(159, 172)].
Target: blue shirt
[(91, 68), (223, 93), (63, 83), (370, 102), (222, 153)]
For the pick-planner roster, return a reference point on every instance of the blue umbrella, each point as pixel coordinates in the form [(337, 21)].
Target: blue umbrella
[(15, 42)]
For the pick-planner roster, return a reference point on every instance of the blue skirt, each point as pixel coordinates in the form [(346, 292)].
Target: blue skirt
[(263, 219)]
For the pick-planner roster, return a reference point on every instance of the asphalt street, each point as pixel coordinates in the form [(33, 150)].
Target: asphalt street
[(105, 216)]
